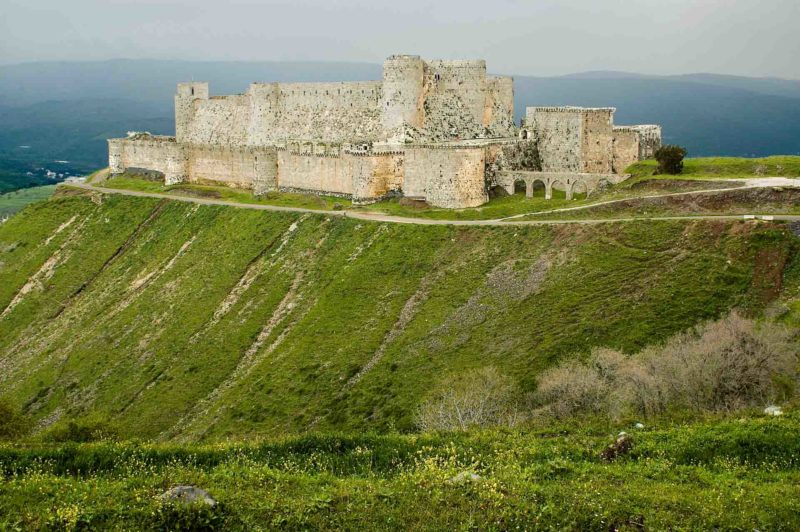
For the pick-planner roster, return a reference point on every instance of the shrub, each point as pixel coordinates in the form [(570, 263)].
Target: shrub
[(670, 159), (481, 398), (12, 423), (576, 388), (720, 366), (82, 431)]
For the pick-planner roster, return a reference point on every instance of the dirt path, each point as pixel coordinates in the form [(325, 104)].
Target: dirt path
[(757, 182), (511, 220)]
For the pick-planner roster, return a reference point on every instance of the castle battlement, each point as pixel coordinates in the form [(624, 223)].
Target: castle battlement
[(427, 129)]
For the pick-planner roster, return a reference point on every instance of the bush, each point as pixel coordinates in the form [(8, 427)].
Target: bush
[(84, 431), (12, 423), (670, 159), (481, 398), (720, 366)]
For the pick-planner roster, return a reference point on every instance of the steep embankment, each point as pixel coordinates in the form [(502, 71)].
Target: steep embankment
[(176, 320)]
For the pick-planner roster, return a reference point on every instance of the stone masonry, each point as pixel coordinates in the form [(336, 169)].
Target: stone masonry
[(432, 130)]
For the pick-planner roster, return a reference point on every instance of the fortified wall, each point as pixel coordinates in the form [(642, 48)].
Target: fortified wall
[(429, 130), (585, 140)]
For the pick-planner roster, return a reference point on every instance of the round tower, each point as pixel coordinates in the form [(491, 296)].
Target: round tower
[(402, 91)]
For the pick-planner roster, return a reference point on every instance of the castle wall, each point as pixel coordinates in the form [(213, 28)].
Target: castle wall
[(597, 140), (649, 140), (315, 173), (559, 134), (242, 167), (273, 112), (221, 121), (375, 176), (626, 148), (450, 177), (161, 154)]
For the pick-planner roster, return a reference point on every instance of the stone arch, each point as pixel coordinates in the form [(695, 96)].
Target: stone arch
[(520, 185), (559, 185), (537, 185), (579, 187)]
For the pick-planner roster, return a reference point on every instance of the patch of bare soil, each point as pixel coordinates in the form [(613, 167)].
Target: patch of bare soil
[(681, 185), (195, 192), (770, 264), (735, 201), (414, 203)]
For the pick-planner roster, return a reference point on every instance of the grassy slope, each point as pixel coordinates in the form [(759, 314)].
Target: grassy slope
[(177, 320), (733, 202), (734, 474), (724, 167), (283, 199), (12, 202)]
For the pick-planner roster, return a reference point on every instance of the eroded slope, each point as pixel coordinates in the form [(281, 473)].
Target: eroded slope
[(175, 320)]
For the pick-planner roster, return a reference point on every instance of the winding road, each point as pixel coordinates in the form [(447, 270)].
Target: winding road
[(511, 220)]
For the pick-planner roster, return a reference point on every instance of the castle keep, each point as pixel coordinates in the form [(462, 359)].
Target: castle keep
[(439, 131)]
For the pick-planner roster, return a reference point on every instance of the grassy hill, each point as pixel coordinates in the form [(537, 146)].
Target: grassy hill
[(171, 320)]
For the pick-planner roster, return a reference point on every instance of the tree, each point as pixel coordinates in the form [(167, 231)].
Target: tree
[(670, 159)]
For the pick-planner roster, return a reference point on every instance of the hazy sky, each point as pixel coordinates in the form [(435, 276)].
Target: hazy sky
[(747, 37)]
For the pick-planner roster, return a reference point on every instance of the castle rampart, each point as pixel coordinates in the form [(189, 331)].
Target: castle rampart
[(428, 129)]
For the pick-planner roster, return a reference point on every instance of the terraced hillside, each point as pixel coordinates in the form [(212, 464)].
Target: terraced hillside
[(178, 321)]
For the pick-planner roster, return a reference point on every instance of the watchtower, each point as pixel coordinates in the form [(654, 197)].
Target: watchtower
[(185, 98)]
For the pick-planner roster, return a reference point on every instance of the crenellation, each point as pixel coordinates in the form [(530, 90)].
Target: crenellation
[(434, 130)]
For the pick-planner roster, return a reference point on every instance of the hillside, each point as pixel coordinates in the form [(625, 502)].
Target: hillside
[(171, 320), (57, 111)]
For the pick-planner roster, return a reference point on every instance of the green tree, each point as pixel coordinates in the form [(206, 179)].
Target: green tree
[(670, 159)]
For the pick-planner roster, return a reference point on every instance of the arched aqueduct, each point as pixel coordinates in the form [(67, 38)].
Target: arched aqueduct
[(570, 183)]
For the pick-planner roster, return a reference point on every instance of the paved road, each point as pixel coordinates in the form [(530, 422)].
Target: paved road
[(376, 217)]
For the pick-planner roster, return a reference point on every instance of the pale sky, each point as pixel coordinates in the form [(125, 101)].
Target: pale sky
[(533, 37)]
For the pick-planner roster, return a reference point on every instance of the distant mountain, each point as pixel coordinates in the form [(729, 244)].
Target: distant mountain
[(64, 111), (154, 80), (709, 119)]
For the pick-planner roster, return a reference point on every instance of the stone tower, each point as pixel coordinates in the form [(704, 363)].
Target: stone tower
[(402, 92), (184, 105)]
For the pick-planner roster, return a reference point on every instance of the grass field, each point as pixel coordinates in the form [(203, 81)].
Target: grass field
[(12, 202), (735, 473), (723, 167)]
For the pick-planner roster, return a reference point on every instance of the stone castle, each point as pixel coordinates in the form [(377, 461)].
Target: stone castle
[(438, 131)]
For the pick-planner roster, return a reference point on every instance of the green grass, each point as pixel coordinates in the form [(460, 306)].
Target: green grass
[(738, 473), (12, 202), (496, 208), (283, 199), (723, 167), (179, 321)]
